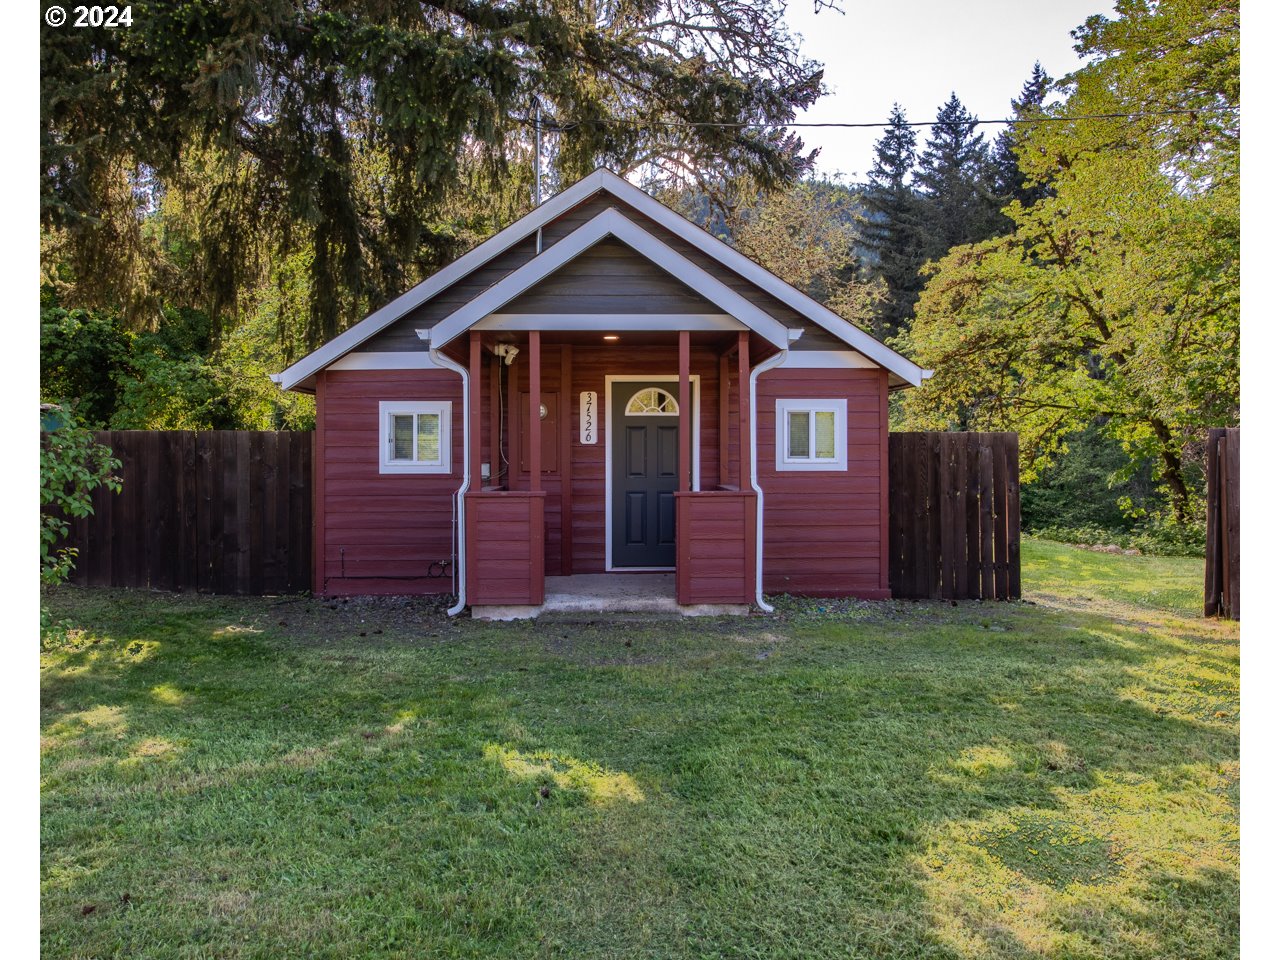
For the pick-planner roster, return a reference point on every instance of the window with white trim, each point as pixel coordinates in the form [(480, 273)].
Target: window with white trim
[(414, 436), (811, 434)]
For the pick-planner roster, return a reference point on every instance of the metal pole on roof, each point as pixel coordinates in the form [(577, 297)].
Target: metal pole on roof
[(537, 165), (537, 152)]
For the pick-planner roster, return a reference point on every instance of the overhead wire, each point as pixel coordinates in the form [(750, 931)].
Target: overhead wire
[(565, 126)]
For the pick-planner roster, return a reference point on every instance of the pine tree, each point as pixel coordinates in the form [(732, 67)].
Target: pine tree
[(956, 180), (892, 230), (1010, 182)]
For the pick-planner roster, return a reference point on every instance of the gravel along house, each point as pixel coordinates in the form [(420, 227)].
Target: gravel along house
[(603, 399)]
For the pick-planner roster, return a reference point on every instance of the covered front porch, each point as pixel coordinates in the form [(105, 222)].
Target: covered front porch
[(609, 469)]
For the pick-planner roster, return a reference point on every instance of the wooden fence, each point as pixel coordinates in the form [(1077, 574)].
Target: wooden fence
[(1222, 534), (225, 511), (954, 516)]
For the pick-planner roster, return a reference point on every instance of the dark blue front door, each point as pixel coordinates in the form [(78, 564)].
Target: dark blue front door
[(646, 470)]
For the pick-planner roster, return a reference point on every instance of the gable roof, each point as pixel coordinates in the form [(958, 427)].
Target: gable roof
[(609, 223), (633, 196)]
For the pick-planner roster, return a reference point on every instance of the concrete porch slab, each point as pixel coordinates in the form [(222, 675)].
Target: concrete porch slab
[(610, 593)]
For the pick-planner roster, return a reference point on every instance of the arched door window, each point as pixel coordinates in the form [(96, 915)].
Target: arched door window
[(652, 402)]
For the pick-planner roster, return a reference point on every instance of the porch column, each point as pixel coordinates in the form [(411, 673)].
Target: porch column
[(744, 411), (535, 406), (473, 454), (686, 411)]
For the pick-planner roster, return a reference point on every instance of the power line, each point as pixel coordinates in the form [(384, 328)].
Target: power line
[(564, 126)]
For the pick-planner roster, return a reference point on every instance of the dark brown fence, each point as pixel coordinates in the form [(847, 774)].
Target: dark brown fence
[(954, 516), (226, 511), (1222, 540)]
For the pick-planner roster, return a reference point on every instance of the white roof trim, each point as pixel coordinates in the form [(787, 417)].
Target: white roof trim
[(542, 215), (860, 340), (445, 277), (606, 322), (608, 223)]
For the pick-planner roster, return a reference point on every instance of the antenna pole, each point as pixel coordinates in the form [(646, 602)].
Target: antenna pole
[(537, 153)]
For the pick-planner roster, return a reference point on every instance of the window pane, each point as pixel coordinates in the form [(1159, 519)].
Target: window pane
[(651, 400), (798, 434), (824, 429), (402, 436), (429, 437)]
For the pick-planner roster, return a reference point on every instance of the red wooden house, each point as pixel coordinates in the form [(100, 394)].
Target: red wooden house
[(602, 388)]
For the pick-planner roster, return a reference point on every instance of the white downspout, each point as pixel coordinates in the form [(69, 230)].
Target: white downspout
[(760, 368), (460, 496)]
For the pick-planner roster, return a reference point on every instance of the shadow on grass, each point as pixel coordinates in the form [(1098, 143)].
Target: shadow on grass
[(936, 782)]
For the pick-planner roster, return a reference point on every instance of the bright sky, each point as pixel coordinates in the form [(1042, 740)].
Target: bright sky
[(916, 52)]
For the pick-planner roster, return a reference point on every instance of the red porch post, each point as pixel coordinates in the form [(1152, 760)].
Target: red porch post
[(744, 411), (746, 444), (686, 453), (535, 409), (473, 454)]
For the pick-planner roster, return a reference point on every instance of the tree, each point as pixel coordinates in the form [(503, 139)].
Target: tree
[(956, 182), (1010, 182), (1116, 297), (806, 234), (351, 133), (892, 229)]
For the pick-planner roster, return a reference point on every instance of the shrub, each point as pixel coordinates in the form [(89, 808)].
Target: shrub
[(72, 466)]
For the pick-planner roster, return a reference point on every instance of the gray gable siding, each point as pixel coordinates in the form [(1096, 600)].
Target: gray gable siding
[(608, 278)]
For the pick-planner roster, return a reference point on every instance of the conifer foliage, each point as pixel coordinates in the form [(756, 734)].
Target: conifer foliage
[(340, 132), (956, 180), (892, 232), (1010, 182)]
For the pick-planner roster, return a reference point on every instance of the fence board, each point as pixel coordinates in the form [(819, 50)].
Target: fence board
[(1000, 512), (1222, 524), (946, 514), (1013, 522), (954, 521), (213, 511)]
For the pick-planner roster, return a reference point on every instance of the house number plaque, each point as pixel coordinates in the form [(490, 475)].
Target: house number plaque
[(589, 418)]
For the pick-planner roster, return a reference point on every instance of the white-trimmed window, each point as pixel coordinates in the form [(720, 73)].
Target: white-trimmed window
[(811, 435), (414, 436)]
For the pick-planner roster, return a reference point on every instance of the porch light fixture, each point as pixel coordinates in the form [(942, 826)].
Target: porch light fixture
[(611, 336)]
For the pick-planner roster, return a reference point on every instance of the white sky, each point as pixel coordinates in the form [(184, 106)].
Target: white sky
[(916, 52)]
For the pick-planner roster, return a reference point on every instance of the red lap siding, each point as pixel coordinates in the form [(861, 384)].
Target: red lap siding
[(824, 531), (380, 533)]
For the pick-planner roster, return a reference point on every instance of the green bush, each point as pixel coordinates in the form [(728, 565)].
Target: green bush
[(1158, 536), (72, 466)]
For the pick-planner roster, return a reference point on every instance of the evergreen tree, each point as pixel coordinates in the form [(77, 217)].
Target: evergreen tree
[(348, 133), (957, 183), (1010, 182), (892, 230)]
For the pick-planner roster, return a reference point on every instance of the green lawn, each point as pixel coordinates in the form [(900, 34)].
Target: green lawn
[(275, 778)]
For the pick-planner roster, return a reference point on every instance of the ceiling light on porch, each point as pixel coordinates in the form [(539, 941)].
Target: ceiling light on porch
[(611, 336)]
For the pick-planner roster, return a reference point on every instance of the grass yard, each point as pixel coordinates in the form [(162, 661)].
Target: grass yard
[(274, 778)]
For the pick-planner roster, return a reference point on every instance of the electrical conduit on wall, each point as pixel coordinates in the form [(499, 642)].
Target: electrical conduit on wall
[(460, 522), (760, 368)]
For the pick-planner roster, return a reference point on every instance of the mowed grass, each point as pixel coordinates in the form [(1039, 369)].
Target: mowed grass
[(255, 778)]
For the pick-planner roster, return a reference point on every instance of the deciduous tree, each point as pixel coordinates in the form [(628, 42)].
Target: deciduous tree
[(1117, 296)]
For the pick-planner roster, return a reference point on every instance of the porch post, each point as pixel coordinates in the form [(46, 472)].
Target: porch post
[(535, 405), (744, 411), (473, 455), (723, 393), (685, 412)]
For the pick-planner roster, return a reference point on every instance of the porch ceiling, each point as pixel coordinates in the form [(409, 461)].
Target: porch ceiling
[(719, 341)]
